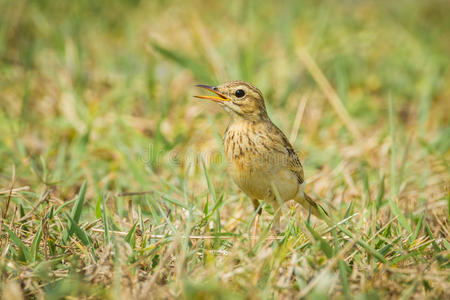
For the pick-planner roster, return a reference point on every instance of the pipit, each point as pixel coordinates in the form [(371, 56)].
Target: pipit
[(261, 160)]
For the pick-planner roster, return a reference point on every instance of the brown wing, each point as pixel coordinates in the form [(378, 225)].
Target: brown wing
[(282, 144)]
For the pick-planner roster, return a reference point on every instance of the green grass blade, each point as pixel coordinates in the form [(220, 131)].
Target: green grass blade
[(78, 207), (446, 244), (172, 200), (98, 208), (18, 242), (214, 209), (167, 218), (398, 213), (431, 236), (130, 237), (363, 244), (324, 246), (140, 219), (83, 236), (105, 220), (76, 211), (387, 247), (343, 274), (21, 210), (80, 233), (212, 192), (65, 204), (349, 210), (380, 193), (418, 227), (35, 244), (393, 195), (50, 213)]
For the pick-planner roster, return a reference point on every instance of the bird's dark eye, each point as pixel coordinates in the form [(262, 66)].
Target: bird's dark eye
[(239, 93)]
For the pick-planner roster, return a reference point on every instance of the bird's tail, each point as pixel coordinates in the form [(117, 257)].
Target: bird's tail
[(307, 202)]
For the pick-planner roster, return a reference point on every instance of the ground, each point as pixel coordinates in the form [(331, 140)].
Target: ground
[(112, 176)]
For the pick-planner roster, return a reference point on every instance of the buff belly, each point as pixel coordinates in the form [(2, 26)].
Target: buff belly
[(260, 182)]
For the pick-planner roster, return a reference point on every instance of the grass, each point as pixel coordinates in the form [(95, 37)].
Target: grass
[(112, 176)]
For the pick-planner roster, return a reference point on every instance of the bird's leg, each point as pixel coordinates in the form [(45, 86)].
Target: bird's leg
[(258, 209), (276, 225), (308, 203)]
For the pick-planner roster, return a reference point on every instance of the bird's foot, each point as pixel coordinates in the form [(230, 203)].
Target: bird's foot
[(276, 230), (255, 230)]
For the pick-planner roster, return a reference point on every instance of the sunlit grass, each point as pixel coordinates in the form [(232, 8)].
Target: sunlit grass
[(113, 182)]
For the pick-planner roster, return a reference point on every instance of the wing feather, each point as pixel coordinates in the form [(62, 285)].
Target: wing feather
[(282, 144)]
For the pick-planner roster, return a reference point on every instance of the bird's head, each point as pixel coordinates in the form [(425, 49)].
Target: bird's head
[(240, 99)]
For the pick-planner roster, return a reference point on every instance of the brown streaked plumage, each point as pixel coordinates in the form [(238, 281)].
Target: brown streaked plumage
[(260, 158)]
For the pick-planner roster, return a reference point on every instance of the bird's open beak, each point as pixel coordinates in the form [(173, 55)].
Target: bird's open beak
[(219, 98)]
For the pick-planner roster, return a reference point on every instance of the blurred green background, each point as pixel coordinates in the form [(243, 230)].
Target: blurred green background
[(102, 91), (99, 80)]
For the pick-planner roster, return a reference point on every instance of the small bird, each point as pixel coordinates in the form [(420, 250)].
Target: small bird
[(261, 160)]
